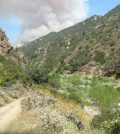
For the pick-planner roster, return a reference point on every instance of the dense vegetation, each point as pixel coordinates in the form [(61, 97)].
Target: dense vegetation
[(100, 91), (11, 72), (110, 122)]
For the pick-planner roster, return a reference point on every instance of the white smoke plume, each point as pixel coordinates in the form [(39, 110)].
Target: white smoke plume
[(40, 17)]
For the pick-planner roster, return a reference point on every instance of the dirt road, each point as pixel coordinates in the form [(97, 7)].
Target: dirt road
[(9, 113)]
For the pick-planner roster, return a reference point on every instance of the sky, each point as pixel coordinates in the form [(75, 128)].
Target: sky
[(25, 20)]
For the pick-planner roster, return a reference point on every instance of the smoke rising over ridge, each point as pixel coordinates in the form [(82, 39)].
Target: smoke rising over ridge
[(40, 17)]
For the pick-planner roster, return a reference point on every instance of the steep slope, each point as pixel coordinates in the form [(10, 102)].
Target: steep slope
[(46, 52), (12, 62), (96, 39), (8, 50), (12, 71)]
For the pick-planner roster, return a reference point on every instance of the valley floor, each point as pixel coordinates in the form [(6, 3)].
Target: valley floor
[(45, 110)]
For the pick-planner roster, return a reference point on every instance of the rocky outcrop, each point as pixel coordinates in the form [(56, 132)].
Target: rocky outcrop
[(6, 48), (18, 56), (4, 43), (91, 69)]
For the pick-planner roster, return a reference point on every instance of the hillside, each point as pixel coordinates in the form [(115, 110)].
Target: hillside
[(28, 109), (57, 84), (12, 71), (12, 61), (62, 64), (96, 39)]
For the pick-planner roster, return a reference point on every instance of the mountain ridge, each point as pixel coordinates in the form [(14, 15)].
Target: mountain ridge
[(95, 39)]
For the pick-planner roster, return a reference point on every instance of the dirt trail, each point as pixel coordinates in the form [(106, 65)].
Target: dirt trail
[(9, 113)]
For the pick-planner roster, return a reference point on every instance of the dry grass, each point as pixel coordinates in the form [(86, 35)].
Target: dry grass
[(64, 105)]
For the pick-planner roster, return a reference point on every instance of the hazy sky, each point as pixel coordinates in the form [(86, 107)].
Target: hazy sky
[(29, 19)]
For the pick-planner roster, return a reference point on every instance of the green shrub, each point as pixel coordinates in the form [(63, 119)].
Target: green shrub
[(10, 72), (54, 81), (114, 128), (112, 67), (110, 122), (75, 97), (38, 76), (100, 57)]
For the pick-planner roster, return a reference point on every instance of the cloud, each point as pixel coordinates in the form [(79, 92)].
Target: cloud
[(40, 17)]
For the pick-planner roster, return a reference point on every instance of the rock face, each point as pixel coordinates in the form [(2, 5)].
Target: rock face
[(4, 44), (91, 69), (6, 48)]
